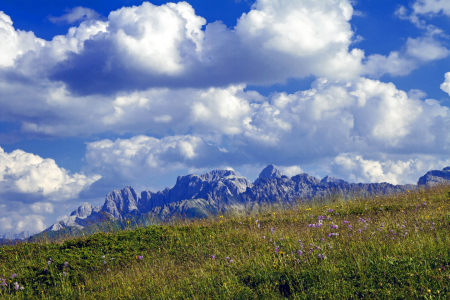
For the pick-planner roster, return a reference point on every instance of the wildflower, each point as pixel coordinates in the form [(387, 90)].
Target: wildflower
[(45, 269), (104, 262), (212, 257), (227, 258), (272, 230), (276, 249), (231, 260), (64, 273), (16, 285), (321, 256), (330, 210), (140, 257), (21, 288), (299, 252), (334, 227), (345, 222), (13, 275), (322, 239), (359, 230), (66, 264), (264, 237)]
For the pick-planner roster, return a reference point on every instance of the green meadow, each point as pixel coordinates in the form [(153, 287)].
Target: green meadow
[(387, 247)]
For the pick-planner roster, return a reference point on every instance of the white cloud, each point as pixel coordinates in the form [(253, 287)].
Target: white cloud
[(417, 51), (431, 7), (356, 168), (15, 42), (445, 86), (42, 207), (426, 49), (291, 170), (334, 117), (135, 157), (166, 46), (26, 173), (6, 224), (31, 223), (76, 14)]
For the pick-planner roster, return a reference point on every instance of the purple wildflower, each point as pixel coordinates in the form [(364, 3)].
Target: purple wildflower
[(227, 258), (104, 262), (64, 273), (345, 222), (66, 264), (16, 285), (140, 257), (264, 237), (322, 239), (330, 210), (49, 262), (276, 249), (359, 230), (212, 257), (13, 275), (299, 252)]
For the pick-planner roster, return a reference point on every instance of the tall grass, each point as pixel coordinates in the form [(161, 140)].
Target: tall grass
[(392, 247)]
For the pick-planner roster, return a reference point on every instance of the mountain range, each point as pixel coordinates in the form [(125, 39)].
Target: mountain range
[(224, 190)]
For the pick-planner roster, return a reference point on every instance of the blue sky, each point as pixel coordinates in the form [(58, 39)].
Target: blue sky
[(97, 95)]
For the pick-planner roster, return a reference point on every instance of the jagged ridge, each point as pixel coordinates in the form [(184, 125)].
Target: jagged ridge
[(223, 190)]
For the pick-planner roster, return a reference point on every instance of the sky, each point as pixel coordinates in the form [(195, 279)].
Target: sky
[(99, 95)]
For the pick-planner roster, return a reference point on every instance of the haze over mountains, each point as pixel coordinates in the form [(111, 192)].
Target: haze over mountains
[(224, 190)]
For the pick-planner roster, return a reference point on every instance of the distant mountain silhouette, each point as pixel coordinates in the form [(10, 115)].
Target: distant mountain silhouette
[(224, 190)]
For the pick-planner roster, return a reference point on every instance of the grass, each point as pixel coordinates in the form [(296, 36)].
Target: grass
[(392, 247)]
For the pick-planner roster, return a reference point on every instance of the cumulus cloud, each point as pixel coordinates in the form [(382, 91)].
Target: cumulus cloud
[(76, 14), (427, 7), (29, 188), (356, 168), (42, 207), (417, 51), (445, 86), (15, 42), (333, 117), (140, 155), (169, 46), (26, 173)]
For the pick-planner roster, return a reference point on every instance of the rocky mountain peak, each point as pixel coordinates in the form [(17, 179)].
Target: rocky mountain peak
[(217, 175), (269, 172), (330, 179), (435, 177), (85, 210)]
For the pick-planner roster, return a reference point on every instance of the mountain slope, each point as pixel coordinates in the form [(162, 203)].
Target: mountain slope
[(224, 190)]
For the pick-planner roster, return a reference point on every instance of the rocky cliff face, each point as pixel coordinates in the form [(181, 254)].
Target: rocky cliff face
[(223, 190), (435, 177)]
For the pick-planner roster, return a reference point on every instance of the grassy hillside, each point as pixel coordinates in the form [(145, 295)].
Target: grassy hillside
[(395, 247)]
